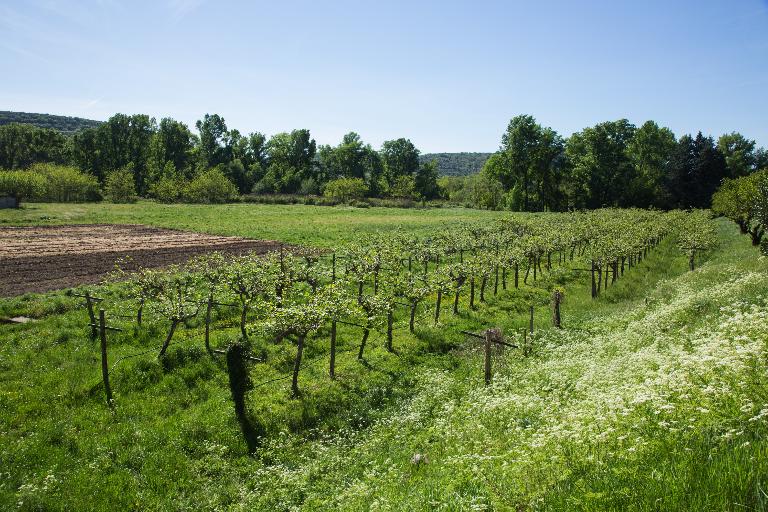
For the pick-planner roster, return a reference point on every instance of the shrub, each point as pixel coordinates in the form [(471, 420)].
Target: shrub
[(168, 189), (345, 189), (404, 187), (120, 186), (21, 185), (210, 187), (66, 184)]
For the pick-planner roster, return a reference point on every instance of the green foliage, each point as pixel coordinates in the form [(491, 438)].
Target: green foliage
[(425, 181), (529, 161), (456, 164), (345, 189), (64, 124), (168, 189), (64, 184), (403, 187), (400, 158), (210, 186), (601, 168), (477, 191), (22, 145), (535, 169), (119, 186), (21, 184), (739, 153), (743, 201), (649, 150)]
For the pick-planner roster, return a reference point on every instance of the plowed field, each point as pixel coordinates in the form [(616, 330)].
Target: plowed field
[(38, 259)]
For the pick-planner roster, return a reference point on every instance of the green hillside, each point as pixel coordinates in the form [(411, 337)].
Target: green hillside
[(64, 124), (457, 164)]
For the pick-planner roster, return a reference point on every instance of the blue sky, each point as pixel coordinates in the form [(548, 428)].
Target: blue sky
[(448, 75)]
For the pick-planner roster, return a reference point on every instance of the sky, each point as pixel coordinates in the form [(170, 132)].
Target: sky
[(447, 75)]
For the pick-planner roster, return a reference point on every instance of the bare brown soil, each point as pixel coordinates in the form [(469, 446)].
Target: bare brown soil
[(39, 259)]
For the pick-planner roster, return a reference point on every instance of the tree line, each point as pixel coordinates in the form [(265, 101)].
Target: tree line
[(614, 163), (161, 156)]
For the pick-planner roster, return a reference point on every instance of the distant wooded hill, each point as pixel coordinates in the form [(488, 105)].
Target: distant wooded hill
[(63, 124), (457, 164)]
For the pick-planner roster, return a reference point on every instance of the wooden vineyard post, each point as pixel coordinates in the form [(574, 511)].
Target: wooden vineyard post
[(390, 321), (557, 297), (517, 275), (487, 350), (531, 321), (472, 292), (496, 281), (297, 367), (333, 267), (104, 365), (332, 366), (491, 336), (208, 307), (594, 283), (437, 305), (139, 312), (91, 315)]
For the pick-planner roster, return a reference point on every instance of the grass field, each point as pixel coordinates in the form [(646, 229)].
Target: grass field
[(653, 397), (322, 226)]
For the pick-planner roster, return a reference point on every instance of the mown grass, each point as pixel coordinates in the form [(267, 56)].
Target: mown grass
[(172, 441)]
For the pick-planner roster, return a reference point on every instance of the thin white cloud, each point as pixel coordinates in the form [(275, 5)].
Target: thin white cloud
[(25, 53), (93, 103), (181, 8)]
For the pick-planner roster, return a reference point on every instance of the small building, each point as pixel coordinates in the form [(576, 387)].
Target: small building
[(9, 202)]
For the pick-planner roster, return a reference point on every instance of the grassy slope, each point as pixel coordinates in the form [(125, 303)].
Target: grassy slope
[(313, 225), (560, 430)]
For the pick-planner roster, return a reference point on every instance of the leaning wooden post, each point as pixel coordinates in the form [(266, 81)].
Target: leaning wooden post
[(91, 315), (208, 307), (487, 349), (104, 365), (332, 366), (297, 367)]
